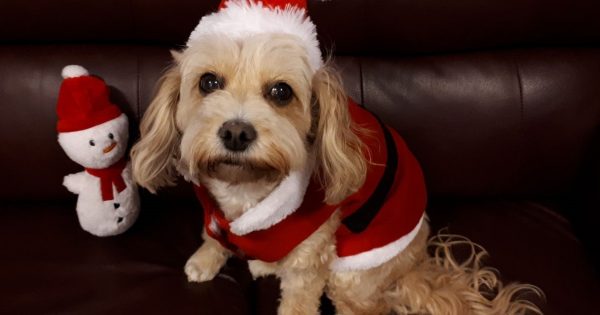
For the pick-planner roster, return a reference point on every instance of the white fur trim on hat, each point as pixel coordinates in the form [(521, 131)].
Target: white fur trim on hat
[(73, 71), (377, 256), (241, 19)]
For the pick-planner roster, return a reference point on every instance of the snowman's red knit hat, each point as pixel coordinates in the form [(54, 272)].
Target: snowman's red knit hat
[(83, 101), (242, 18)]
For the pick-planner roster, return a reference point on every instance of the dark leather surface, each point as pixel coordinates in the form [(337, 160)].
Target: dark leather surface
[(499, 100), (49, 265), (66, 270), (352, 26), (482, 124), (528, 241), (539, 108)]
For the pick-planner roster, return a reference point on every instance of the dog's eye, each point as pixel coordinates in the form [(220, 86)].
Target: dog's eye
[(281, 93), (209, 83)]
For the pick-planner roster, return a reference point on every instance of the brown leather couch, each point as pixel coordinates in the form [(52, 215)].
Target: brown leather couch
[(499, 100)]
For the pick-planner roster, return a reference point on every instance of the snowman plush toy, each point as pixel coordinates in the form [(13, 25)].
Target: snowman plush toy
[(94, 132)]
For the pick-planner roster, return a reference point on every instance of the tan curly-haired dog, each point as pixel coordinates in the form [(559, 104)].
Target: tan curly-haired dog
[(249, 111)]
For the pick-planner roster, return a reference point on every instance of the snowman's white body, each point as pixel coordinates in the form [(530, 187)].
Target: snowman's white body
[(97, 216)]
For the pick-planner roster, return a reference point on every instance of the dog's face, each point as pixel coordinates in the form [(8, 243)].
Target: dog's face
[(245, 108), (249, 110)]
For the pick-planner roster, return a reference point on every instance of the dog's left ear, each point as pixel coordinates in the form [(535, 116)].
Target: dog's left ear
[(341, 163), (153, 155)]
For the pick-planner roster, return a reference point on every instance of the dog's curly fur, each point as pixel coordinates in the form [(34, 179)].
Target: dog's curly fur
[(179, 133)]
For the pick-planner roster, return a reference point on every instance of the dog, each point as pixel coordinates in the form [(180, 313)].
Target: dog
[(243, 118)]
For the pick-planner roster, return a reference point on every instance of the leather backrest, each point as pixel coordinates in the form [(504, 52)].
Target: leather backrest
[(496, 122), (351, 26)]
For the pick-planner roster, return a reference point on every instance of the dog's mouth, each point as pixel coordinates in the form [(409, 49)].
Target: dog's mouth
[(237, 162), (234, 162), (240, 169)]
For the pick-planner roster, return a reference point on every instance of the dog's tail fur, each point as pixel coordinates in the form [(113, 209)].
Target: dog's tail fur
[(441, 284)]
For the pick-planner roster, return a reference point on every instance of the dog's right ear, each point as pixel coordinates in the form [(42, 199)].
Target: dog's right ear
[(153, 155)]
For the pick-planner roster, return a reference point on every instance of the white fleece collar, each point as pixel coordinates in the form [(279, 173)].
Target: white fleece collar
[(284, 200)]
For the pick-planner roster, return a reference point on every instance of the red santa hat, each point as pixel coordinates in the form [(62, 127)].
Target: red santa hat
[(83, 101), (238, 19)]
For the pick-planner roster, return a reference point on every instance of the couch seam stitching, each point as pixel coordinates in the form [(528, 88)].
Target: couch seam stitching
[(522, 144), (137, 74), (362, 88), (520, 81)]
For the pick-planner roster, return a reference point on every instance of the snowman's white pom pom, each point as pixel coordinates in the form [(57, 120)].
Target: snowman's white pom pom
[(73, 71)]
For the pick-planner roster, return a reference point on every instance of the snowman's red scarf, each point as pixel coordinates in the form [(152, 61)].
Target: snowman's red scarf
[(108, 177)]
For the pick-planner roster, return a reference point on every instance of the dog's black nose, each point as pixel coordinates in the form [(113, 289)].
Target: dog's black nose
[(237, 135)]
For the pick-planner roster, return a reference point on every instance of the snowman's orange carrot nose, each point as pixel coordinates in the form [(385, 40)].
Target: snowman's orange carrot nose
[(110, 147)]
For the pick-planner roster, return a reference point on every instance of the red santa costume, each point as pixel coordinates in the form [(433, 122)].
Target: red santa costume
[(378, 221)]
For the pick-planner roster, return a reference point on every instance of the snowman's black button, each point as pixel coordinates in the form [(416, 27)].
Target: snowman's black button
[(117, 205)]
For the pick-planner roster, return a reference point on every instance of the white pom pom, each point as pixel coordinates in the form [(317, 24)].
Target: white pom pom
[(73, 71)]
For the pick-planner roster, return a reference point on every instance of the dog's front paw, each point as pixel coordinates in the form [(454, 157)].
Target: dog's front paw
[(199, 269)]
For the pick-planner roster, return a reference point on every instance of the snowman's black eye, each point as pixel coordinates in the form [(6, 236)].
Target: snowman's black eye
[(111, 136), (92, 143)]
